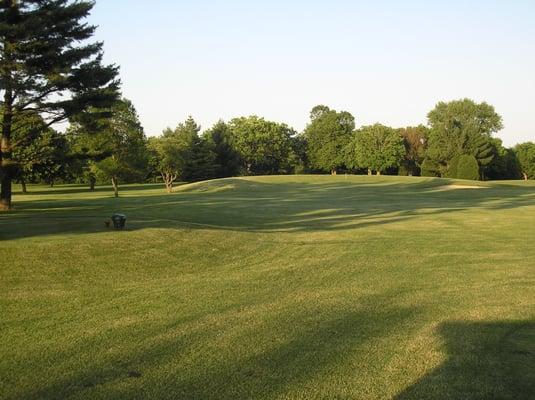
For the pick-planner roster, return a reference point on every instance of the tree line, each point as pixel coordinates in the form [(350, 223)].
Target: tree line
[(457, 142), (50, 73)]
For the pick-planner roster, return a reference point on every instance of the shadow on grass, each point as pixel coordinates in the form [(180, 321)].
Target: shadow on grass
[(494, 360), (240, 204), (309, 353), (40, 190)]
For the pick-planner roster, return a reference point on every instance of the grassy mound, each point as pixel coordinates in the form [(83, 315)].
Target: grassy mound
[(296, 287)]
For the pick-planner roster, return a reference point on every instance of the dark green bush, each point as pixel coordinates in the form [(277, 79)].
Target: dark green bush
[(467, 168), (429, 168), (452, 168)]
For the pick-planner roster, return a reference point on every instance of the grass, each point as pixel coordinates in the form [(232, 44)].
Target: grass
[(298, 287)]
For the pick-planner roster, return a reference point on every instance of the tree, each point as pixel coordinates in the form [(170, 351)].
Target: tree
[(34, 146), (182, 153), (265, 147), (166, 158), (51, 158), (504, 164), (376, 148), (461, 127), (525, 153), (327, 135), (48, 68), (87, 149), (415, 141), (119, 147), (201, 164), (429, 168), (227, 158), (299, 161)]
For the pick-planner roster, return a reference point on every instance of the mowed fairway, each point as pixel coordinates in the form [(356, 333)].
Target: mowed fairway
[(296, 287)]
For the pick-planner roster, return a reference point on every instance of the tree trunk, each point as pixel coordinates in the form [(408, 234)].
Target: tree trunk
[(92, 184), (115, 186), (369, 171), (6, 163), (525, 176), (168, 180), (378, 173), (333, 171), (23, 184), (5, 192)]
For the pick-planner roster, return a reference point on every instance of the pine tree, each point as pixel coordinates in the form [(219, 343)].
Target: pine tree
[(48, 67), (227, 158)]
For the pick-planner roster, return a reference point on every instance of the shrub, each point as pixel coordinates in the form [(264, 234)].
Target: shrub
[(403, 170), (429, 168), (453, 167), (467, 168)]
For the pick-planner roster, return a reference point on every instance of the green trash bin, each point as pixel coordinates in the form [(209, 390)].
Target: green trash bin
[(119, 221)]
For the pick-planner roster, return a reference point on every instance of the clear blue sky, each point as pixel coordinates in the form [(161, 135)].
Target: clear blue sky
[(383, 61)]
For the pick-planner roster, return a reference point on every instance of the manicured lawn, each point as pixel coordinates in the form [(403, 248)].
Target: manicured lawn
[(293, 287)]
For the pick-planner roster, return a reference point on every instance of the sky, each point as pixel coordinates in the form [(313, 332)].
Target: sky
[(383, 61)]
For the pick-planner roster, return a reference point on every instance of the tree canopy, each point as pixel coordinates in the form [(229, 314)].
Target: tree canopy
[(525, 153), (461, 127), (264, 146), (119, 146), (376, 148), (47, 67), (327, 135)]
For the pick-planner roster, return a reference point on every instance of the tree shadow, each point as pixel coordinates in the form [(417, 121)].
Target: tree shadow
[(41, 190), (309, 353), (259, 206), (486, 360)]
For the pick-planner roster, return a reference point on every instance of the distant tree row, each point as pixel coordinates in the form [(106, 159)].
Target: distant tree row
[(457, 143), (51, 72)]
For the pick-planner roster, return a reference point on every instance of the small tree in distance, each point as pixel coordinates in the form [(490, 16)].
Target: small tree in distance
[(166, 158)]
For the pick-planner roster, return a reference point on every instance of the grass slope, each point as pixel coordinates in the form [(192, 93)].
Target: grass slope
[(293, 287)]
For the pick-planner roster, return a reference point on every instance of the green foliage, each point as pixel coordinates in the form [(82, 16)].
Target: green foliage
[(452, 170), (504, 164), (298, 161), (118, 150), (201, 164), (48, 68), (182, 153), (461, 127), (429, 168), (467, 167), (327, 135), (265, 147), (376, 148), (219, 137), (415, 140), (525, 153)]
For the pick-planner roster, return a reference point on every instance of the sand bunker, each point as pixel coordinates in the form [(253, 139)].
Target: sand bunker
[(455, 187)]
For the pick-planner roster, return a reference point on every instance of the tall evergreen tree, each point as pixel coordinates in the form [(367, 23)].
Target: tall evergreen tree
[(227, 158), (48, 67)]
